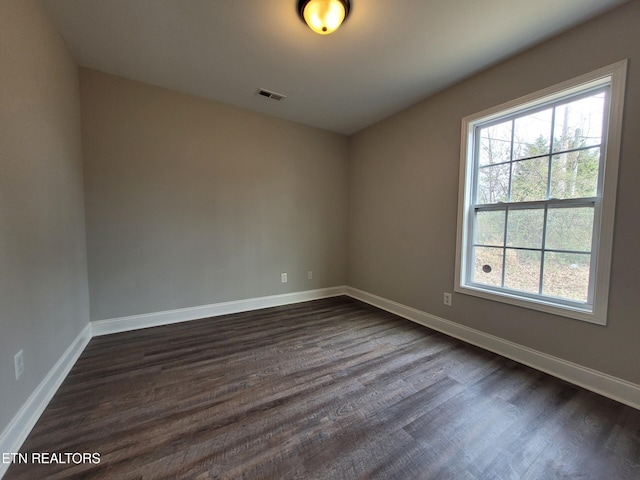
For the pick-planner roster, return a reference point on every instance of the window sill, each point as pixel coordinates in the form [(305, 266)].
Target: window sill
[(584, 315)]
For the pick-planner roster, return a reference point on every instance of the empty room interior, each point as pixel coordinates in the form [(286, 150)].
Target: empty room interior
[(235, 243)]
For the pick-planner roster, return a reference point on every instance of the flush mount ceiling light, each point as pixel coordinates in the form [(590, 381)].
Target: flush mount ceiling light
[(323, 16)]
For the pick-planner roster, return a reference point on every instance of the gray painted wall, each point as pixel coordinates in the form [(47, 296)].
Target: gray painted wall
[(403, 201), (190, 202), (44, 301)]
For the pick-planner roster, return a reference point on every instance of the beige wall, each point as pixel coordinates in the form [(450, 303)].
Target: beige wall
[(190, 202), (403, 198), (43, 272)]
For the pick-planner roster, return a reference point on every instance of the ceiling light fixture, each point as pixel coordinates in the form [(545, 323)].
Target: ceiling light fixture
[(323, 16)]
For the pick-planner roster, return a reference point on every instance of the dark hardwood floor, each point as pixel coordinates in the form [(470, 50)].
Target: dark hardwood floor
[(330, 389)]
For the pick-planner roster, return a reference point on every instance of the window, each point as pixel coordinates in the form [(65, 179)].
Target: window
[(537, 197)]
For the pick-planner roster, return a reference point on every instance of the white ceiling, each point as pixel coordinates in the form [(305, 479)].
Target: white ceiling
[(387, 55)]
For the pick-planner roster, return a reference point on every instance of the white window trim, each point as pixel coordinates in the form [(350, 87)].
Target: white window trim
[(617, 73)]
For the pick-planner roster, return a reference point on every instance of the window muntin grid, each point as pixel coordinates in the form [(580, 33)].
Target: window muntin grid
[(532, 168)]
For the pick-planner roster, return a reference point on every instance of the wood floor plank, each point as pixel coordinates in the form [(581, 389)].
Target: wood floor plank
[(330, 389)]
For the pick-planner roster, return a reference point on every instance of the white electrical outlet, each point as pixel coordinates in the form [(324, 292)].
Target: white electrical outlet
[(309, 275), (283, 278), (447, 299), (18, 363)]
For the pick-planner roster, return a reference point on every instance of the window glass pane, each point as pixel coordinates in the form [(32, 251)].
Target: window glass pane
[(566, 275), (495, 144), (524, 228), (569, 228), (488, 266), (579, 124), (522, 270), (493, 184), (529, 180), (532, 134), (575, 174), (490, 228)]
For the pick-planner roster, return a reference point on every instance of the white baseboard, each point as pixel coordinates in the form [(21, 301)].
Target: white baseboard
[(598, 382), (21, 425), (135, 322)]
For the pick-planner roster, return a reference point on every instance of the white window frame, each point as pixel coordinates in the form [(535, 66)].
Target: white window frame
[(613, 75)]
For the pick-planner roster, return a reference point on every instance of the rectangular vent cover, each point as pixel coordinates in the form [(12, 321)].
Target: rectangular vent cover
[(269, 94)]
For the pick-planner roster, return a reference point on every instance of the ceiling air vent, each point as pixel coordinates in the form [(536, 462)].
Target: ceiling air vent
[(269, 94)]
